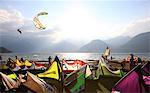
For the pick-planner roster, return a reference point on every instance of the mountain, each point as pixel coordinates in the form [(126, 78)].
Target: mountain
[(94, 46), (118, 41), (138, 44), (36, 44), (21, 44), (60, 47), (4, 50), (33, 43)]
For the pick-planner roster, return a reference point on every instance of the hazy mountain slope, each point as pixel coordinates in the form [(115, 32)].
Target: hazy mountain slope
[(94, 46), (138, 44), (63, 46), (118, 41), (4, 50)]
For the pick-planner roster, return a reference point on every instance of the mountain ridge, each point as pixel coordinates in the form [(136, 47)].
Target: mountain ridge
[(4, 50), (94, 46), (138, 44)]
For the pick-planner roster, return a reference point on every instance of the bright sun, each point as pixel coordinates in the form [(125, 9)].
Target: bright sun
[(78, 23)]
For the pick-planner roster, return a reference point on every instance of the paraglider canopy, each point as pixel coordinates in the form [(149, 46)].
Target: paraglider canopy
[(37, 21)]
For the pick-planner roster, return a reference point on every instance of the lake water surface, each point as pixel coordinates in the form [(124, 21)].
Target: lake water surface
[(81, 56)]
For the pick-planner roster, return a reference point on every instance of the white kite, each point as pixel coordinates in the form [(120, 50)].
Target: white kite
[(37, 22)]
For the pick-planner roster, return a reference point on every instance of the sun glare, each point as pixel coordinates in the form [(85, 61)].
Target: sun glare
[(74, 56), (78, 23)]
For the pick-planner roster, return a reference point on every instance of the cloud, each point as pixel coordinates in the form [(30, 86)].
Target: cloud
[(137, 27), (10, 20), (31, 39), (10, 15)]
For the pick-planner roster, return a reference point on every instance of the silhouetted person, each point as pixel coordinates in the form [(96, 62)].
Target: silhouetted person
[(16, 57), (21, 59), (0, 57), (111, 58), (132, 63), (49, 60)]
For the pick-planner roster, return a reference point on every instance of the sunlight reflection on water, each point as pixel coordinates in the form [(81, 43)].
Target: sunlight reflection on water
[(68, 56)]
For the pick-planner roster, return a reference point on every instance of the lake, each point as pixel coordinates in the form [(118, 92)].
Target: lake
[(81, 56)]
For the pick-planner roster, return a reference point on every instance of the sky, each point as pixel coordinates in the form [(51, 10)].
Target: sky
[(76, 20)]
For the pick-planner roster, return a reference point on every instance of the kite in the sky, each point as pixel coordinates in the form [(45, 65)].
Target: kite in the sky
[(37, 22), (19, 31)]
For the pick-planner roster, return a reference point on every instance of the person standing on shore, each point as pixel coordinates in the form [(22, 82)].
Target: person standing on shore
[(132, 62), (0, 57), (50, 60)]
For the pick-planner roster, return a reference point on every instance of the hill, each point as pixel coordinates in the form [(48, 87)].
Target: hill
[(4, 50), (95, 46), (138, 44), (118, 41)]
